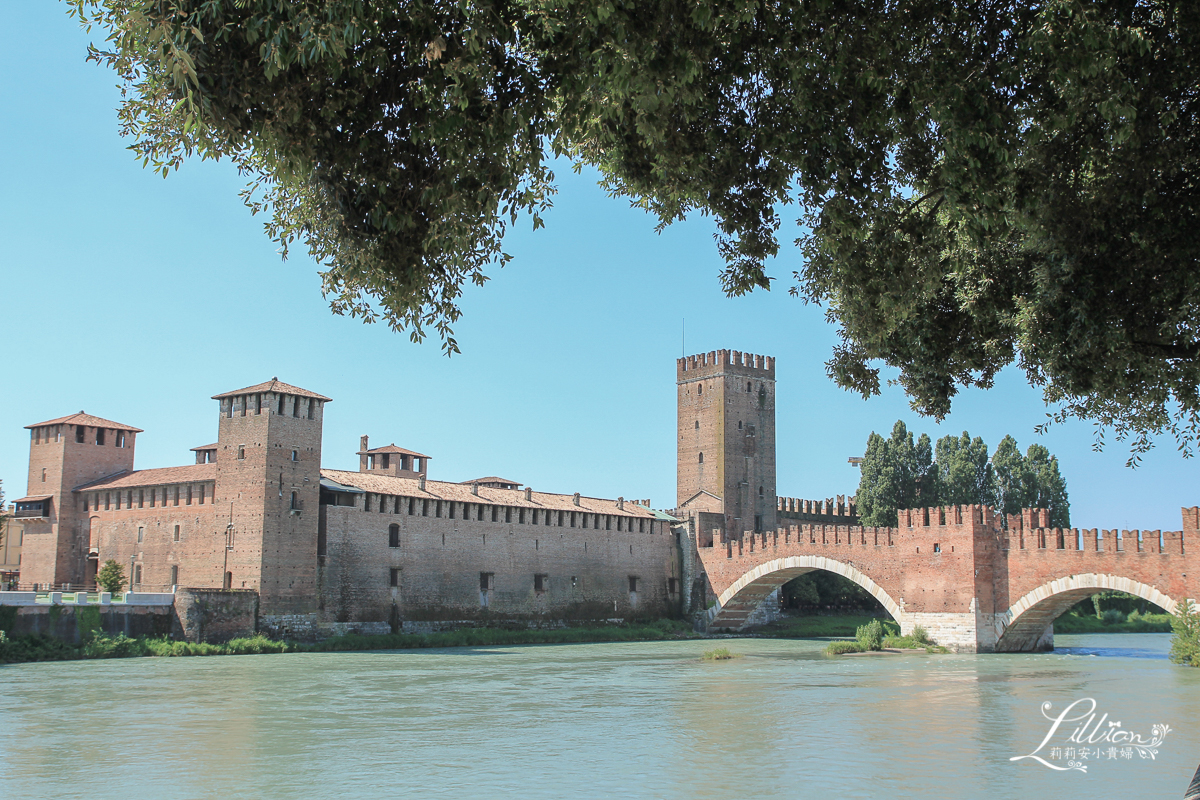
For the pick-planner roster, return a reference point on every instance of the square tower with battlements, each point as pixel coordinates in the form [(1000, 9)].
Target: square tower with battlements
[(268, 478), (726, 439)]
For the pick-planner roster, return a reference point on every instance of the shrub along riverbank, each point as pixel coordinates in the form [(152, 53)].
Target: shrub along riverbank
[(20, 649)]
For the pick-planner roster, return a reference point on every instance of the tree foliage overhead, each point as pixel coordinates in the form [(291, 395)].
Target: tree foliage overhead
[(898, 475), (984, 181)]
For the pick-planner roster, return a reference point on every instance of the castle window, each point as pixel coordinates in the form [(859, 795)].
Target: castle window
[(295, 455), (633, 581), (701, 458), (202, 487), (80, 434), (99, 435), (560, 519), (572, 519), (672, 586), (508, 513), (296, 407), (141, 497), (280, 411), (760, 494), (174, 574), (479, 512), (641, 526), (539, 583), (241, 452), (43, 474), (739, 424), (382, 503), (311, 405), (37, 435), (141, 534), (485, 581), (697, 424), (120, 438), (700, 388), (607, 522), (137, 575), (411, 506), (393, 536), (257, 404), (521, 516), (295, 501), (749, 388), (228, 584), (176, 534), (758, 526), (424, 508), (243, 401), (189, 494), (176, 498), (395, 577)]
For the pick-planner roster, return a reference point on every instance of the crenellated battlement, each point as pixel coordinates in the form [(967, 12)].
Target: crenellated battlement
[(716, 361), (796, 508)]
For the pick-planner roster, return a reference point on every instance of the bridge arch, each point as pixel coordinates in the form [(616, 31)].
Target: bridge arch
[(1023, 627), (745, 594)]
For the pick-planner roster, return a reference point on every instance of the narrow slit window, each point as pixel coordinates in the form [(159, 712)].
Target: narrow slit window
[(393, 536)]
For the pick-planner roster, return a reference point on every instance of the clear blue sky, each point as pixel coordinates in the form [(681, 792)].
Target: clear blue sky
[(137, 298)]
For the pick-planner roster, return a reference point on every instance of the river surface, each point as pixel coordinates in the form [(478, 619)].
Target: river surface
[(595, 721)]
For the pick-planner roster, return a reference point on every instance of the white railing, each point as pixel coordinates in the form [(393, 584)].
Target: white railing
[(86, 598)]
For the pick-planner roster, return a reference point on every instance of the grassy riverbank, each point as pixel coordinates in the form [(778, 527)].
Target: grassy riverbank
[(816, 627), (40, 648), (1134, 623)]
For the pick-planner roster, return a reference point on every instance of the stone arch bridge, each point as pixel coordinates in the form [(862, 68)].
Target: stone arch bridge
[(974, 586)]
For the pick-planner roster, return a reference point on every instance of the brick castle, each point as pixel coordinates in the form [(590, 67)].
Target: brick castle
[(387, 548)]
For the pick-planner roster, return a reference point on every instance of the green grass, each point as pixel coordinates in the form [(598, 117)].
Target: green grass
[(720, 654), (40, 648), (815, 627), (1134, 623), (843, 646)]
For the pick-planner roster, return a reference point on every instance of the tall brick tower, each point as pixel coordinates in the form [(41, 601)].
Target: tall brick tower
[(726, 444), (268, 492), (65, 453)]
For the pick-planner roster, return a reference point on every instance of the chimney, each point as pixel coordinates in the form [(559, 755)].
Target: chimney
[(475, 489), (621, 503), (362, 454), (421, 483), (576, 499), (528, 493)]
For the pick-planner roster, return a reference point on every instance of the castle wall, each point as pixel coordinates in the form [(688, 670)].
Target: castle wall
[(481, 572)]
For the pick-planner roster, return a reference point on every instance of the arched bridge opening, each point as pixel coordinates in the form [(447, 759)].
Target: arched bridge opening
[(735, 605), (1026, 626)]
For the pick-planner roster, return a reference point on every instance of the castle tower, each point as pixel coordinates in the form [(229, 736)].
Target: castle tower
[(268, 478), (726, 438), (65, 453)]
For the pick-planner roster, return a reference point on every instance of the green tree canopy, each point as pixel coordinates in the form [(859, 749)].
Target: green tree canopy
[(111, 577), (897, 475), (983, 182)]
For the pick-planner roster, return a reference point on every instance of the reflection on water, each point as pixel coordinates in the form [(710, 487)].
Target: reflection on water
[(607, 720)]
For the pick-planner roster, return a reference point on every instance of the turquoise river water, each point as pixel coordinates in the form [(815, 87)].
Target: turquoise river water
[(598, 721)]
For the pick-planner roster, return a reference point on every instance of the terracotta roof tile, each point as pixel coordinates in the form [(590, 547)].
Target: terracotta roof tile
[(192, 473), (391, 448), (460, 492), (212, 446), (491, 479), (86, 419), (274, 385)]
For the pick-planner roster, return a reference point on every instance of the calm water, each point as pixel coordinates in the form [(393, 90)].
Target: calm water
[(605, 720)]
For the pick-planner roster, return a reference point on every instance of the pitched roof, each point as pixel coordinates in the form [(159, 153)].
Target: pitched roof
[(212, 446), (460, 492), (391, 448), (491, 479), (86, 419), (192, 473), (274, 385)]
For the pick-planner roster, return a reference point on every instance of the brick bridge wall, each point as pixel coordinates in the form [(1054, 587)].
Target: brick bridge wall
[(955, 571)]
